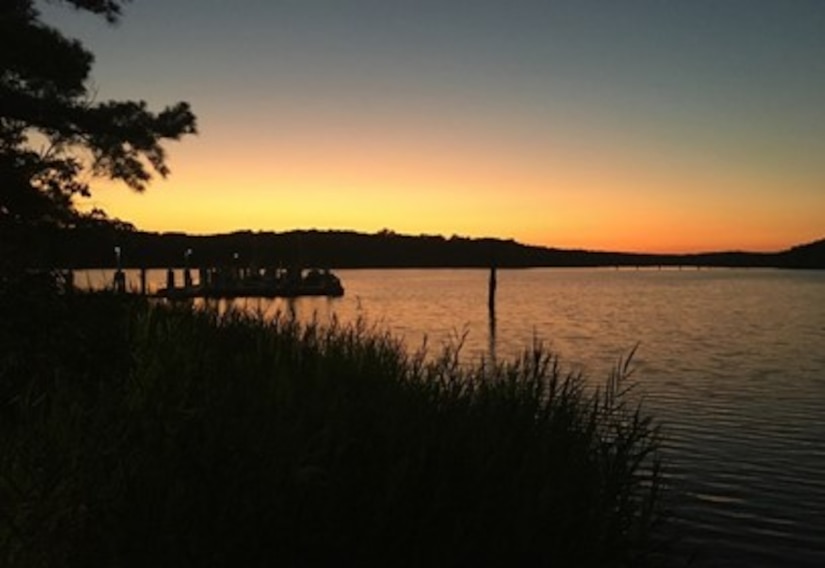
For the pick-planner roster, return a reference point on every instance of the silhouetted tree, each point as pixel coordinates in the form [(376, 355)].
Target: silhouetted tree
[(52, 129)]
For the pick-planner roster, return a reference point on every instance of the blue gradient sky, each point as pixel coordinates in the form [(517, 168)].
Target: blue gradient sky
[(661, 125)]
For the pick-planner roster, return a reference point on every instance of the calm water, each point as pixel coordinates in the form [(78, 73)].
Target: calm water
[(732, 361)]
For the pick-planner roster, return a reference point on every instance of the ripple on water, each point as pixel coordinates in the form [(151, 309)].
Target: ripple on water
[(731, 361)]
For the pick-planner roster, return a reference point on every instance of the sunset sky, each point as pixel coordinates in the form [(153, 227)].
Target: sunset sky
[(646, 125)]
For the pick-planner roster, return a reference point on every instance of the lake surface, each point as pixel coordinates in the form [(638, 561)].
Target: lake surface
[(731, 361)]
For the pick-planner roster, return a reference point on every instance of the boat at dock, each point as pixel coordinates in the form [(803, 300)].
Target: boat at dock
[(252, 283)]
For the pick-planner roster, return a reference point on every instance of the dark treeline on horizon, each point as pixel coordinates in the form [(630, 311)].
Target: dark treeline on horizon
[(93, 247)]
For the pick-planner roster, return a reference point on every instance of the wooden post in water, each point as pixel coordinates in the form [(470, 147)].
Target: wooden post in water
[(119, 282), (491, 307), (187, 275), (143, 281), (491, 291)]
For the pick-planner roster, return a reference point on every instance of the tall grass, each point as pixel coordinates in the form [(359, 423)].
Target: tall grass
[(148, 435)]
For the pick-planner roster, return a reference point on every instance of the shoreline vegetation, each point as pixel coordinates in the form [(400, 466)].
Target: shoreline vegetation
[(138, 433), (91, 246)]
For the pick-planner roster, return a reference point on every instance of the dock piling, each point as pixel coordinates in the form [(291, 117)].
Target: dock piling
[(491, 291)]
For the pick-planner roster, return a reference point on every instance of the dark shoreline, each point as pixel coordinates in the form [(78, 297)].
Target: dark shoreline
[(93, 248)]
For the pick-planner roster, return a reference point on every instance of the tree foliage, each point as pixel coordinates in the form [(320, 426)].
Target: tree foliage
[(52, 129)]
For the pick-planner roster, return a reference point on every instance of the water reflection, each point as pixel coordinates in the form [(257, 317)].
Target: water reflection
[(731, 360), (491, 334)]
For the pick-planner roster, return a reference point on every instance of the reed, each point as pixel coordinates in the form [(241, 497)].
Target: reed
[(138, 434)]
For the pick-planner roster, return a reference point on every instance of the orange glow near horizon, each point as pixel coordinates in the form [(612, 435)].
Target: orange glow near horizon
[(569, 192), (557, 209), (619, 127)]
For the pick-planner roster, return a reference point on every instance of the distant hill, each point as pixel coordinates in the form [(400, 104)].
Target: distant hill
[(811, 255), (94, 247)]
